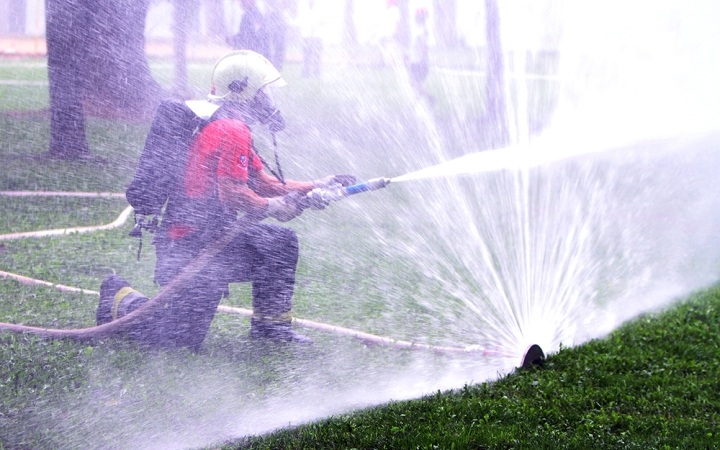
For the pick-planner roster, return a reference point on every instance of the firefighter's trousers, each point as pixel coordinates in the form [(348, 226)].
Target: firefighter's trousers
[(264, 254)]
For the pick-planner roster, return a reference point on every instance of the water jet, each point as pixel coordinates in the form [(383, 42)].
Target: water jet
[(516, 254)]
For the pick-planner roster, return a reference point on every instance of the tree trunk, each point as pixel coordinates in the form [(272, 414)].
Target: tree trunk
[(64, 53), (446, 22), (96, 66), (181, 31), (494, 124), (116, 73)]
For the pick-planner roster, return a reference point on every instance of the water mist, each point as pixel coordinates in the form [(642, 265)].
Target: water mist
[(607, 210), (559, 238)]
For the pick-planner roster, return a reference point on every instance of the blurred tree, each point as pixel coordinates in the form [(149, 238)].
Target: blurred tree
[(350, 32), (494, 126), (181, 31), (402, 33), (65, 54), (446, 22), (16, 15), (96, 66), (118, 76)]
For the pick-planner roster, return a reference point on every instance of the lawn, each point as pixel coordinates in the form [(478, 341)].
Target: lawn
[(652, 384), (413, 262)]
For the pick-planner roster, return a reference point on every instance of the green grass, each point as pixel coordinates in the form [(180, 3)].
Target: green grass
[(653, 380), (33, 95), (69, 394), (22, 214), (652, 384)]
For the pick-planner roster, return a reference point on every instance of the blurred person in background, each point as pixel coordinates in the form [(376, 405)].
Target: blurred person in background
[(418, 58), (276, 26), (253, 33), (311, 24)]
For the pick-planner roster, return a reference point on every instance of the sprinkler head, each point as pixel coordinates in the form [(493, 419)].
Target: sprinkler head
[(534, 356)]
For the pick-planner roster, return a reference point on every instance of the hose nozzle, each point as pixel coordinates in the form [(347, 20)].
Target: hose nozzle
[(370, 185), (319, 198)]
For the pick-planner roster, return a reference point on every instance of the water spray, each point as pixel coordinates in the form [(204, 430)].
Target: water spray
[(319, 198), (533, 356)]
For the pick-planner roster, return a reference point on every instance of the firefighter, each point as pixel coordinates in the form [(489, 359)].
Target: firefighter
[(224, 177)]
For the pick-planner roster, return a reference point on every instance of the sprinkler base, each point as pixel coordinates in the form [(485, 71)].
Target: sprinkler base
[(534, 356)]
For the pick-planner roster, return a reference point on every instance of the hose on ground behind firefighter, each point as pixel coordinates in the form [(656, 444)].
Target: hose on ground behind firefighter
[(184, 278)]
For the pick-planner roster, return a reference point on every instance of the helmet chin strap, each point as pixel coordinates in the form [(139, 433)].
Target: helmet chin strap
[(265, 112), (279, 174)]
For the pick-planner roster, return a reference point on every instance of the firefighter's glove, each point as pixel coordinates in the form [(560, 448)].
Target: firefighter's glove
[(333, 181), (317, 199), (284, 208)]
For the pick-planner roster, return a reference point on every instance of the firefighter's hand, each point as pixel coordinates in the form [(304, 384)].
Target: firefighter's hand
[(284, 208), (318, 199), (334, 181)]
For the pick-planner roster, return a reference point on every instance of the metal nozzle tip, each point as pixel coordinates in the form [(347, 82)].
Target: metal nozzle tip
[(377, 183)]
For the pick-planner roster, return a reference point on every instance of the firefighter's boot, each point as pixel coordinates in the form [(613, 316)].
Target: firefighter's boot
[(117, 299), (276, 329)]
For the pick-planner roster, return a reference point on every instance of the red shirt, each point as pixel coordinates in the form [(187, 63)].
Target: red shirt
[(223, 149)]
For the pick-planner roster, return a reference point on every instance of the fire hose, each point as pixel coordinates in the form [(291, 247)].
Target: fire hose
[(316, 199), (184, 278)]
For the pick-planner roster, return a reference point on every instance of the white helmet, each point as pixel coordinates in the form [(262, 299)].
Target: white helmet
[(239, 75)]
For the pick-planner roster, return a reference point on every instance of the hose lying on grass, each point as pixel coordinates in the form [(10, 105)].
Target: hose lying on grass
[(124, 323), (120, 221), (365, 337)]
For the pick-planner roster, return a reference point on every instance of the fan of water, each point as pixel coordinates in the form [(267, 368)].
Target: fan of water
[(611, 211)]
